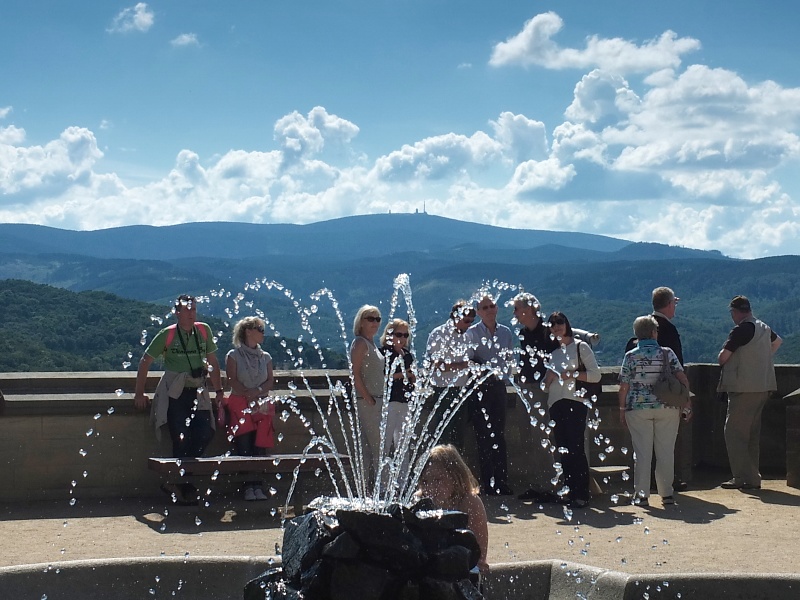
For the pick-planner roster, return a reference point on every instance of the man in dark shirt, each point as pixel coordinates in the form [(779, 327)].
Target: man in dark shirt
[(748, 377), (665, 302), (535, 346)]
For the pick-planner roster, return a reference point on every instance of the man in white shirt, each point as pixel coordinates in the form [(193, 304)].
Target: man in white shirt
[(447, 362), (491, 346)]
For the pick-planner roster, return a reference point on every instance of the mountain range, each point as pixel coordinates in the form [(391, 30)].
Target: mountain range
[(601, 282)]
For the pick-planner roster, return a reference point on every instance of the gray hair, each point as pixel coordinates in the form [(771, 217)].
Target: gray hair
[(527, 299), (644, 327)]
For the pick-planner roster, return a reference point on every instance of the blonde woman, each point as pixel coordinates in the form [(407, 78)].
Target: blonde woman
[(447, 480), (249, 371), (399, 362), (367, 362)]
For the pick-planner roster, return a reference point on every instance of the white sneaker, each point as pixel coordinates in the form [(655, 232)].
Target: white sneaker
[(260, 495), (250, 495)]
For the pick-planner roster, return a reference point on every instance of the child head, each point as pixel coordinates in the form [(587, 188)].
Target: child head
[(446, 478)]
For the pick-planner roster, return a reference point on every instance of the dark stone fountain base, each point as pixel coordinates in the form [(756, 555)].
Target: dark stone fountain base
[(411, 553)]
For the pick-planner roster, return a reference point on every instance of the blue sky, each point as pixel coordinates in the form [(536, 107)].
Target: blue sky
[(670, 122)]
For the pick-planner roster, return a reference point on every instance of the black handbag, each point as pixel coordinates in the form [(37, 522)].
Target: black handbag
[(668, 389)]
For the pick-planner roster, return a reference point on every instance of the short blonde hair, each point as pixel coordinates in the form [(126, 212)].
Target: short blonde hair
[(364, 311), (447, 458), (240, 329), (391, 326)]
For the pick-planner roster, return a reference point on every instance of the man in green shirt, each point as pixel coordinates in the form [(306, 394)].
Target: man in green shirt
[(182, 399)]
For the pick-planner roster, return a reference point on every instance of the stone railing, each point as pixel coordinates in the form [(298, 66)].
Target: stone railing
[(60, 428)]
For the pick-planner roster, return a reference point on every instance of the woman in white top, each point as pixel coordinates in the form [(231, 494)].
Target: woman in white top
[(572, 362), (369, 381)]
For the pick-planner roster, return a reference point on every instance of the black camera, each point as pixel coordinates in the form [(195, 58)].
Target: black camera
[(199, 372)]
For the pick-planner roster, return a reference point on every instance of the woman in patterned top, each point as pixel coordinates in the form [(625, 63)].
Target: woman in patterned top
[(652, 424)]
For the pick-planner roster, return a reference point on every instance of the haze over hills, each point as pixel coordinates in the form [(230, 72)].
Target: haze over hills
[(602, 283)]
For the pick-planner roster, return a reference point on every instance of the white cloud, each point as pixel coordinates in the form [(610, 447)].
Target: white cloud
[(137, 18), (49, 169), (11, 135), (5, 111), (301, 137), (522, 138), (185, 39), (438, 157), (533, 175), (534, 46)]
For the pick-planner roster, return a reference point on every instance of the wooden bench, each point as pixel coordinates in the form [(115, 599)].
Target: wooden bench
[(273, 464)]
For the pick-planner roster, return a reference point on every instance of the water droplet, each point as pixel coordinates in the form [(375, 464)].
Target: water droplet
[(89, 432), (72, 501), (197, 521), (82, 452), (110, 410)]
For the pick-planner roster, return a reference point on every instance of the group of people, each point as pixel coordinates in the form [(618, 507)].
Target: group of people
[(466, 369), (747, 377)]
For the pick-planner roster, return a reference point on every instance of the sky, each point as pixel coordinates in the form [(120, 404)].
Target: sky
[(669, 122)]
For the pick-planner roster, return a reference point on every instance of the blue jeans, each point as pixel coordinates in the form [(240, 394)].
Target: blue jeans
[(189, 428)]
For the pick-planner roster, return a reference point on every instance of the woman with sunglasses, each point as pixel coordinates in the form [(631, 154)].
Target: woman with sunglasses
[(368, 379), (250, 413), (571, 362), (399, 362)]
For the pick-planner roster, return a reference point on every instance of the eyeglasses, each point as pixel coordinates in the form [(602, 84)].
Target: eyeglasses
[(259, 329), (558, 322), (372, 319), (398, 334), (488, 306)]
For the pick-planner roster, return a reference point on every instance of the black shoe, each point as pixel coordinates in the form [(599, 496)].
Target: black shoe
[(178, 493), (680, 486)]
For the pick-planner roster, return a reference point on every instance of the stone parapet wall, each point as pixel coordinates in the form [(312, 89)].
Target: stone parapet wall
[(49, 418)]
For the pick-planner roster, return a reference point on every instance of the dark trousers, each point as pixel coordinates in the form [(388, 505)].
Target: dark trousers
[(189, 428), (454, 432), (489, 420), (570, 420)]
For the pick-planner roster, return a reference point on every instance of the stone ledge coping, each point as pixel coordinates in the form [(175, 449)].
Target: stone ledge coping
[(224, 577)]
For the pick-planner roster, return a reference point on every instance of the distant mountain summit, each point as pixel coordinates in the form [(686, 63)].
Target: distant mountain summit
[(351, 237)]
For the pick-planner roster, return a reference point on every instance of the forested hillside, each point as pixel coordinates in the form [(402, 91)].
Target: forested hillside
[(43, 328), (602, 284)]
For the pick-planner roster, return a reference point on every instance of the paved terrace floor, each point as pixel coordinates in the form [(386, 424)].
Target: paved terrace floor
[(710, 530)]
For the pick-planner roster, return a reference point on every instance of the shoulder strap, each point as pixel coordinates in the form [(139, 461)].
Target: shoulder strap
[(172, 328), (578, 343), (170, 335), (665, 368)]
